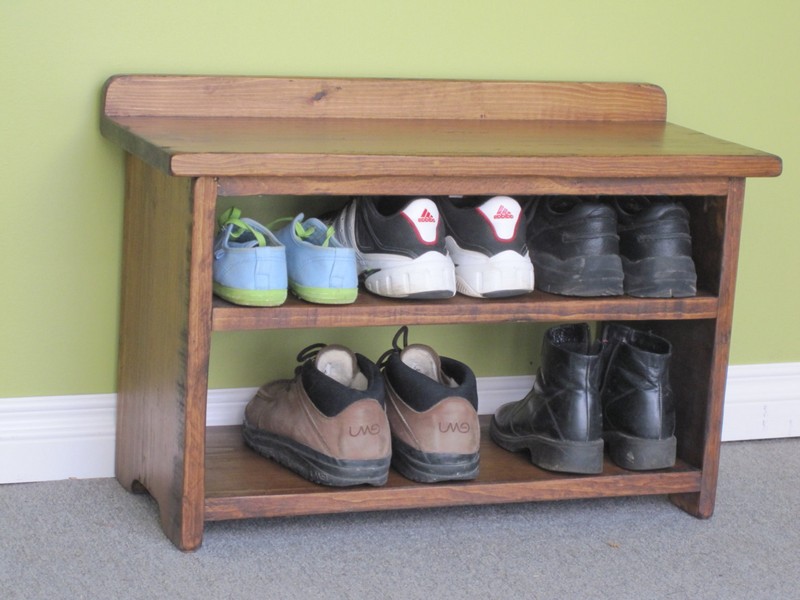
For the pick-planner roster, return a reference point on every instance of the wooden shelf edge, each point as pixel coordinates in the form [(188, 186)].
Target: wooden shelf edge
[(439, 495), (520, 185), (370, 311)]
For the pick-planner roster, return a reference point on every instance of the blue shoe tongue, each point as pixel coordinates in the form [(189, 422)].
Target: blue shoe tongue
[(317, 233)]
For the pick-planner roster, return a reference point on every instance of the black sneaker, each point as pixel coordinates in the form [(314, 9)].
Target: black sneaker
[(400, 246), (432, 404), (486, 241), (574, 246), (656, 247)]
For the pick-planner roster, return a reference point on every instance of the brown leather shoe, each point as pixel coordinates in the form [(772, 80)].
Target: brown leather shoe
[(328, 424), (432, 406)]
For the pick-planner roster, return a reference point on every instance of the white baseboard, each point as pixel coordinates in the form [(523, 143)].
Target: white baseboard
[(60, 437), (762, 402), (57, 437)]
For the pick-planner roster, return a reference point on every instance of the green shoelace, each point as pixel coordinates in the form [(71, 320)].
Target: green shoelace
[(232, 216), (304, 233)]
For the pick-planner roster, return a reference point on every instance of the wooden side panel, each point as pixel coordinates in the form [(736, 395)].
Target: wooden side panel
[(690, 369), (164, 336), (192, 96), (707, 349), (707, 219)]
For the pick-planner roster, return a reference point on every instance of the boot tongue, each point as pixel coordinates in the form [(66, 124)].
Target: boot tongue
[(425, 360), (339, 363)]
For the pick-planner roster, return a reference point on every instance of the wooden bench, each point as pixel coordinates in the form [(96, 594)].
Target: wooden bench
[(191, 139)]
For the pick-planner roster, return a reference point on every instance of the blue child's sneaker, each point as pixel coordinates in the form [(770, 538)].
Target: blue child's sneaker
[(320, 268), (249, 262)]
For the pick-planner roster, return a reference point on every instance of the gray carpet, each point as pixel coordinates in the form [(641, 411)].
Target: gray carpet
[(92, 539)]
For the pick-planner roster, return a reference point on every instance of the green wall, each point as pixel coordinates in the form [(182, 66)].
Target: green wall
[(728, 67)]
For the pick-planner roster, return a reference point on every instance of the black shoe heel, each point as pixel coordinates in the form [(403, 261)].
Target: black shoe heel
[(640, 454)]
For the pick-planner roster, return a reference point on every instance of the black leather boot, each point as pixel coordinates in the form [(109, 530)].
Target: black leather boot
[(560, 421), (638, 407)]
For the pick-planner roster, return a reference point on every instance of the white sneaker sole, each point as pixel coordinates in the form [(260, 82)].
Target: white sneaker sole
[(429, 276), (507, 273)]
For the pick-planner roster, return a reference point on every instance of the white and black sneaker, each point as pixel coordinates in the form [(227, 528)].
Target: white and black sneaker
[(486, 241), (400, 247)]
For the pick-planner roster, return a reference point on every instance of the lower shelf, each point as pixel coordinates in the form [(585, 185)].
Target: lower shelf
[(241, 484)]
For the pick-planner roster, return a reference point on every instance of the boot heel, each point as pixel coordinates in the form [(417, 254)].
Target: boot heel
[(567, 457), (640, 454)]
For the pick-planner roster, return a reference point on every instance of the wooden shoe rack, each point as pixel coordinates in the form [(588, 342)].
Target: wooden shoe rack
[(189, 140)]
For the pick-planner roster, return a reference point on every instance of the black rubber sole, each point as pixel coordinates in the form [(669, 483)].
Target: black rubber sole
[(660, 277), (506, 293), (315, 466), (430, 467), (431, 295), (600, 275), (553, 455), (640, 454)]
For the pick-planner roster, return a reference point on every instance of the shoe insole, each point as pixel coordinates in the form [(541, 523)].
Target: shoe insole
[(339, 363), (423, 360)]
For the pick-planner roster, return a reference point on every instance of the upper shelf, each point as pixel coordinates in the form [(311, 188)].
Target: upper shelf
[(371, 311), (272, 127)]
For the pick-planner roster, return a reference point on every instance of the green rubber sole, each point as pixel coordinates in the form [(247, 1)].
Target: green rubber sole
[(250, 297), (324, 295)]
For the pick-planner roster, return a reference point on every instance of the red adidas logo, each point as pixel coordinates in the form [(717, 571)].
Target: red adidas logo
[(426, 217), (503, 213)]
